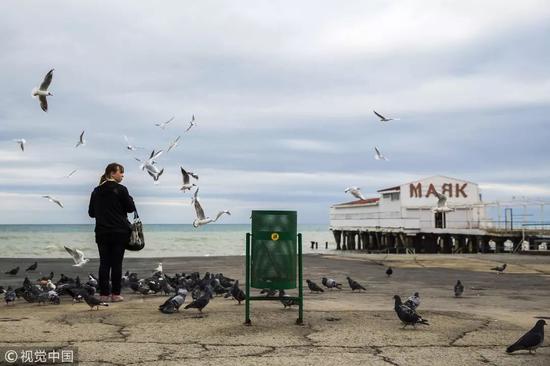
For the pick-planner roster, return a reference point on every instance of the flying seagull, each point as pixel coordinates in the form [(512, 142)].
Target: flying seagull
[(78, 257), (153, 171), (191, 123), (531, 340), (71, 173), (185, 175), (174, 143), (21, 143), (378, 155), (441, 203), (131, 147), (356, 192), (164, 124), (384, 119), (201, 218), (51, 199), (81, 140), (42, 91)]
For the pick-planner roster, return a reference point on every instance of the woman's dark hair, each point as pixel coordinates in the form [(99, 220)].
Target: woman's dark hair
[(110, 169)]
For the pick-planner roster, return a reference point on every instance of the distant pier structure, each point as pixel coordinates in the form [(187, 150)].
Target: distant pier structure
[(404, 219)]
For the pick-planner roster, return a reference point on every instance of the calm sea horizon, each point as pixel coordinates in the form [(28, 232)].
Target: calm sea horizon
[(161, 240)]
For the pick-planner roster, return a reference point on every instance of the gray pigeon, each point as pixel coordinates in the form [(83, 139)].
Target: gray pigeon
[(13, 272), (93, 301), (237, 293), (313, 287), (201, 302), (413, 301), (499, 269), (407, 315), (32, 267), (287, 301), (459, 289), (9, 296), (530, 340), (331, 283), (354, 285), (174, 303)]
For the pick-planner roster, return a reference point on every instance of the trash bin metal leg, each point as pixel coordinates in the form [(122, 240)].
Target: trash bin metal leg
[(247, 287), (300, 319)]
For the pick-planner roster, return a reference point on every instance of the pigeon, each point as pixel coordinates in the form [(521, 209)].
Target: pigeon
[(384, 119), (12, 272), (378, 155), (407, 315), (499, 269), (78, 257), (10, 295), (191, 123), (331, 283), (531, 340), (185, 175), (287, 301), (93, 301), (354, 285), (441, 203), (163, 125), (313, 287), (237, 293), (71, 173), (173, 304), (459, 289), (81, 140), (201, 302), (413, 301), (42, 91), (51, 199), (389, 271), (356, 192), (201, 218), (174, 143), (268, 292), (21, 143)]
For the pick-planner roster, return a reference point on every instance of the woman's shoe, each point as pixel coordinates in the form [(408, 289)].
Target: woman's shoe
[(105, 298), (117, 298)]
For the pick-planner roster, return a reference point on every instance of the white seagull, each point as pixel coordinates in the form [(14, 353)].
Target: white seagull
[(164, 124), (191, 123), (201, 218), (51, 199), (378, 155), (384, 119), (154, 172), (174, 143), (356, 192), (131, 147), (21, 143), (185, 175), (441, 203), (42, 91), (81, 140), (78, 257), (71, 173), (159, 268)]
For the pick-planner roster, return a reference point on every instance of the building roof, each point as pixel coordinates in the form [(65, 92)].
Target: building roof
[(396, 188), (359, 202)]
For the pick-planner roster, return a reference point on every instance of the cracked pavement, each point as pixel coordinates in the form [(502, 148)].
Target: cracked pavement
[(340, 327)]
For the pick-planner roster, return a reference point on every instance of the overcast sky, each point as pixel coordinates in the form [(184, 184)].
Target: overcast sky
[(283, 94)]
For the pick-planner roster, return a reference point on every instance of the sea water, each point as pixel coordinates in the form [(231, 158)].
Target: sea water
[(162, 240)]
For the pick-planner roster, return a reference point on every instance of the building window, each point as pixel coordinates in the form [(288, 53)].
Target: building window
[(392, 196), (440, 220)]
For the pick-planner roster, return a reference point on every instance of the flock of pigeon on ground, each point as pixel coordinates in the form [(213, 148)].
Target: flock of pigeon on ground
[(148, 164), (204, 289)]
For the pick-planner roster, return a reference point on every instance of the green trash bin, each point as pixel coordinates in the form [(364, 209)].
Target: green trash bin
[(274, 257), (274, 249)]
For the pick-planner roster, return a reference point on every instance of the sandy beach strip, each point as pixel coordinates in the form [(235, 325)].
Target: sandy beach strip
[(341, 327)]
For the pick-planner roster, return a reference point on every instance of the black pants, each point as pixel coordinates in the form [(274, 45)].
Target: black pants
[(111, 253)]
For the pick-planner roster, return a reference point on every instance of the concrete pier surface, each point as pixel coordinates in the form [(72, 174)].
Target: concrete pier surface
[(341, 327)]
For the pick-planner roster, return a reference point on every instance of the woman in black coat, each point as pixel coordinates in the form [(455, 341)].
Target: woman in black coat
[(109, 205)]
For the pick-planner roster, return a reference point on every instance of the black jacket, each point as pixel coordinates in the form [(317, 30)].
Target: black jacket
[(109, 204)]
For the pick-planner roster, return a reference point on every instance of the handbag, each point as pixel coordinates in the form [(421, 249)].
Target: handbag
[(136, 242)]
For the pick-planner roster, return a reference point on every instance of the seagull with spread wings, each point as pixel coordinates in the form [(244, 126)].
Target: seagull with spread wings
[(201, 217), (384, 119), (441, 203), (356, 192), (191, 123), (78, 257), (163, 125), (51, 199), (81, 140), (21, 143), (186, 180), (378, 155), (42, 91)]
